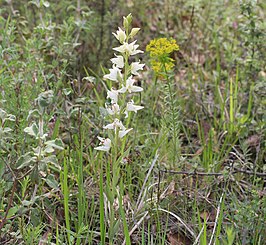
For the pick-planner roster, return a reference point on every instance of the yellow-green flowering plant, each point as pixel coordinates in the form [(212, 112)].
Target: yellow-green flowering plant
[(160, 50), (162, 64)]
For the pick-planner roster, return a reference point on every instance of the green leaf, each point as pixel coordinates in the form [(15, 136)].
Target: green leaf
[(25, 161), (51, 182), (45, 99), (6, 130), (109, 194), (49, 149), (2, 169), (243, 119), (33, 130), (12, 211), (56, 129), (67, 91), (53, 160), (56, 144), (26, 203), (2, 114), (32, 112)]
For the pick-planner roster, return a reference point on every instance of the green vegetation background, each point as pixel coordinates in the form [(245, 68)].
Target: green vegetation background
[(205, 185)]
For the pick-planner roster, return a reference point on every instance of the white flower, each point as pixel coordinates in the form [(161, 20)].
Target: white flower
[(118, 124), (118, 61), (123, 132), (114, 75), (114, 125), (130, 87), (131, 107), (120, 35), (135, 67), (105, 144), (114, 110), (129, 49), (113, 95)]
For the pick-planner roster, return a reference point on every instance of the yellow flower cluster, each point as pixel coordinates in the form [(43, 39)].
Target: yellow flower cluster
[(160, 49), (159, 67)]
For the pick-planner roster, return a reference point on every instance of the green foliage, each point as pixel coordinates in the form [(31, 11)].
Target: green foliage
[(193, 169), (250, 217)]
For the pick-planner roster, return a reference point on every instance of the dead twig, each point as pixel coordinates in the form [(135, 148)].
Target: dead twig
[(196, 173)]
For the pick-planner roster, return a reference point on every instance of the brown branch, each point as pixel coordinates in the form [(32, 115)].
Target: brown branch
[(2, 222), (238, 170), (195, 173), (190, 173)]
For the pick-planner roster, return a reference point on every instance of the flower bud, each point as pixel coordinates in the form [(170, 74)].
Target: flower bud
[(133, 32), (120, 35), (127, 21)]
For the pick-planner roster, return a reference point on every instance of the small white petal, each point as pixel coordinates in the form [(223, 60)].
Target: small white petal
[(131, 107), (122, 90), (114, 125), (109, 111), (102, 148), (135, 89), (105, 144), (100, 138), (130, 87), (126, 113), (120, 35), (115, 109), (122, 133), (109, 126), (114, 75), (119, 124), (130, 49), (122, 48), (113, 95), (135, 67), (134, 31), (118, 61)]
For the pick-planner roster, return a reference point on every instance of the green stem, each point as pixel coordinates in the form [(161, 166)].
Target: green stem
[(172, 108)]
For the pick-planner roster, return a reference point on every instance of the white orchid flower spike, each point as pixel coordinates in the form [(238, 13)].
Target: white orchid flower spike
[(122, 72)]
